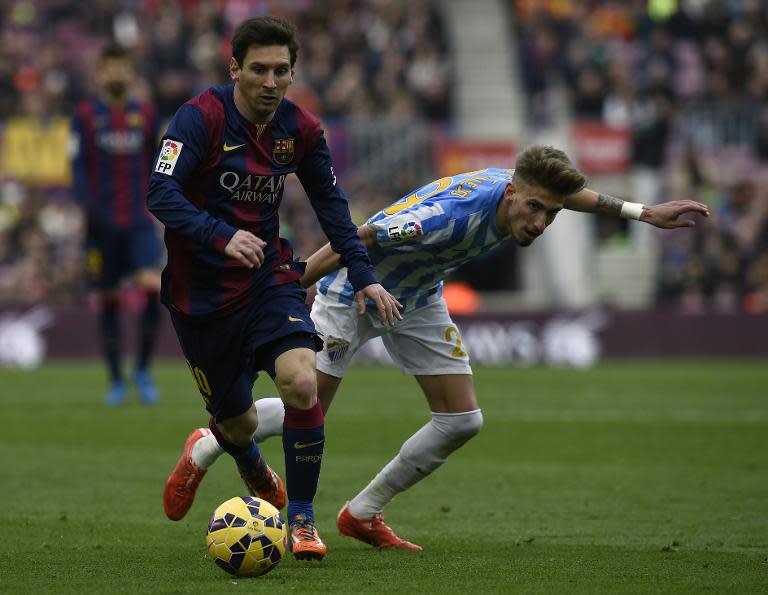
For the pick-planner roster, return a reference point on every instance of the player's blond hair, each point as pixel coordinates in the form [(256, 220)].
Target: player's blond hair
[(549, 168)]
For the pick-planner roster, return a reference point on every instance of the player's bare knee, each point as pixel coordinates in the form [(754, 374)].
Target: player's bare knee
[(300, 390)]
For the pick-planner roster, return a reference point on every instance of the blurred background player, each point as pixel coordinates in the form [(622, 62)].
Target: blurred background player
[(232, 284), (115, 138), (414, 244)]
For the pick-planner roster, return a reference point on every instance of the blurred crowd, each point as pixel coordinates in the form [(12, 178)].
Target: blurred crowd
[(724, 264), (689, 79), (380, 59)]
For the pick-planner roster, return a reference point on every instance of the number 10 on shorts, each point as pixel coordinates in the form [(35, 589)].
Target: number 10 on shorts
[(201, 380)]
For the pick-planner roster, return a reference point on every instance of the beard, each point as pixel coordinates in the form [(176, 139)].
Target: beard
[(117, 89)]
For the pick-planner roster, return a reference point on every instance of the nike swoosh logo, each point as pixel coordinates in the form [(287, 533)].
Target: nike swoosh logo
[(294, 319), (298, 445), (232, 147)]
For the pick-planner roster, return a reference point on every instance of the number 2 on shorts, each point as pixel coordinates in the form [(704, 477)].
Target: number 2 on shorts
[(457, 350)]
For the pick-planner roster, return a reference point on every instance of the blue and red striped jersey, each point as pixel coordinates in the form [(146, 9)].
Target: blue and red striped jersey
[(217, 172), (114, 149)]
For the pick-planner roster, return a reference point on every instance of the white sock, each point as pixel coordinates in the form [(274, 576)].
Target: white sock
[(206, 450), (419, 456), (271, 413)]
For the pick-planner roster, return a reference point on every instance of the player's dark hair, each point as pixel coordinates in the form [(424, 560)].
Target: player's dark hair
[(549, 168), (262, 31), (113, 51)]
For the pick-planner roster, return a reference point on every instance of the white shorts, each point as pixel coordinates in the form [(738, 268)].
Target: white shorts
[(426, 342)]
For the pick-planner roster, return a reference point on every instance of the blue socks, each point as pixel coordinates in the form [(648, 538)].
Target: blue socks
[(303, 442)]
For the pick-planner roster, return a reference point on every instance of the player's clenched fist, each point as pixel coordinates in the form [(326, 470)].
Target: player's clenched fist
[(246, 248)]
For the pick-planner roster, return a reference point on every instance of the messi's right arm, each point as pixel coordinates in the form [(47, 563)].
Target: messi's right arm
[(182, 153)]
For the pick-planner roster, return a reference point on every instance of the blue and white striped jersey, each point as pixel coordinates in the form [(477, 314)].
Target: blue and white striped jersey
[(427, 234)]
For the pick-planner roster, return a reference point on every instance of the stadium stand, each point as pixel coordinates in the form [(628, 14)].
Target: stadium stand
[(689, 83), (679, 92), (387, 62)]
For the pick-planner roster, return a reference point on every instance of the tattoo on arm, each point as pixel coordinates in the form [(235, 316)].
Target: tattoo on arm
[(610, 205)]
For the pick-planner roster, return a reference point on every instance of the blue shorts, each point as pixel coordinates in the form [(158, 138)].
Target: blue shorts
[(225, 354), (113, 254)]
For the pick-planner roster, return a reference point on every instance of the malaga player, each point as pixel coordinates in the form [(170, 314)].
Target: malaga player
[(413, 244), (115, 140), (232, 284)]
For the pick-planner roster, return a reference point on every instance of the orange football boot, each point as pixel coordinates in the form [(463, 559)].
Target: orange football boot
[(304, 541), (373, 531), (267, 486), (181, 485)]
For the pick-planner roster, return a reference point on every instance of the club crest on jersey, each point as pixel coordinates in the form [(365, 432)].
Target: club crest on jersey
[(336, 348), (135, 119), (283, 151), (169, 154)]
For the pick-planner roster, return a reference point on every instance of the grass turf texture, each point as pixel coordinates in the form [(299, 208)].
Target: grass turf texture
[(632, 478)]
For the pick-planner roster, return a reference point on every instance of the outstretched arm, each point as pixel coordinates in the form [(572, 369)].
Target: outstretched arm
[(325, 261), (665, 215)]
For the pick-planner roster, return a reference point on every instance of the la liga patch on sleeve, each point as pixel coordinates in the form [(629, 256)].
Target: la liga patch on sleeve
[(169, 155)]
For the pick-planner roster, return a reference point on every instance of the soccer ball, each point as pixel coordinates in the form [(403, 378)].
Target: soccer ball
[(246, 536)]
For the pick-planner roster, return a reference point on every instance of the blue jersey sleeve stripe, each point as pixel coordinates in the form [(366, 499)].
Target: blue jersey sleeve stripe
[(459, 229)]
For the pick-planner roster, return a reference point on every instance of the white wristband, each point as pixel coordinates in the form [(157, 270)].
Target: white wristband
[(631, 210)]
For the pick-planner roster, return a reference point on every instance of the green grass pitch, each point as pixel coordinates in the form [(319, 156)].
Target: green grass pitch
[(631, 478)]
